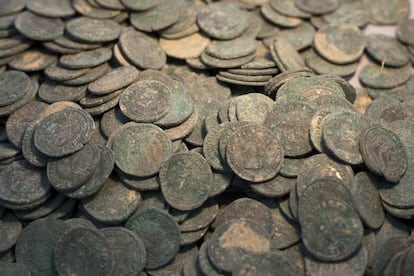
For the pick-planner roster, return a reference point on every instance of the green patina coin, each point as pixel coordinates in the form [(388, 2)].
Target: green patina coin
[(140, 149), (39, 28), (285, 55), (145, 101), (222, 20), (10, 229), (114, 80), (113, 203), (288, 8), (317, 6), (93, 30), (254, 153), (290, 122), (383, 153), (63, 132), (277, 18), (33, 60), (233, 242), (322, 66), (7, 7), (51, 8), (376, 76), (185, 180), (71, 172), (405, 30), (35, 245), (83, 251), (140, 5), (111, 4), (97, 179), (164, 14), (128, 250), (13, 86), (86, 59), (341, 134), (160, 234), (51, 92), (85, 8), (387, 50), (340, 44), (367, 202), (200, 218), (91, 75), (58, 73), (142, 50), (300, 37), (387, 13), (22, 184), (47, 208), (351, 12), (231, 49)]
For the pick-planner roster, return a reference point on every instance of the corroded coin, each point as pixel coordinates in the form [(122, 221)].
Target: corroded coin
[(376, 76), (73, 246), (222, 20), (114, 80), (140, 149), (64, 132), (140, 5), (254, 153), (141, 50), (39, 28), (341, 133), (185, 180), (33, 60), (11, 269), (113, 203), (233, 242), (340, 44), (51, 92), (387, 50), (128, 250), (13, 86), (10, 228), (160, 234), (285, 55), (51, 8), (93, 30), (71, 172), (383, 153), (35, 245), (86, 59), (145, 101), (316, 6)]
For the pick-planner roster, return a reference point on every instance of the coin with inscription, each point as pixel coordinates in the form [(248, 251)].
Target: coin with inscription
[(383, 153), (160, 234), (185, 180), (83, 251)]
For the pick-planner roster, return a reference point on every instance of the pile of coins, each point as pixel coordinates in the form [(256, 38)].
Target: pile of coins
[(193, 137)]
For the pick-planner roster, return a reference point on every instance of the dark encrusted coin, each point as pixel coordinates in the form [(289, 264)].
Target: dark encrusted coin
[(83, 251), (86, 59), (64, 132), (160, 234), (367, 202), (140, 149), (142, 50), (222, 20), (383, 153), (52, 92), (22, 184), (12, 269), (114, 80), (93, 30), (233, 242), (377, 76), (145, 101), (37, 27), (254, 153), (128, 250), (71, 172), (33, 60), (185, 180), (13, 86), (36, 244), (113, 203), (51, 8), (10, 228), (285, 55)]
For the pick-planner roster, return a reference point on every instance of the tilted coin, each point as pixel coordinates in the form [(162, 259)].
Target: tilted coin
[(114, 80), (39, 28), (387, 50), (93, 30), (86, 59), (378, 147)]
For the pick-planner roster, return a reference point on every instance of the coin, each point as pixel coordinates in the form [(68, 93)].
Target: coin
[(14, 85), (288, 8), (86, 59), (388, 52), (33, 60), (375, 76), (93, 30), (187, 47), (285, 55), (355, 13), (160, 234), (233, 242), (404, 30), (317, 7), (10, 231), (376, 157), (79, 242), (14, 269), (35, 245), (128, 250), (141, 50), (51, 8), (140, 149), (395, 11), (37, 27), (277, 18), (185, 180), (140, 5), (222, 20), (114, 80), (73, 130), (51, 92)]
